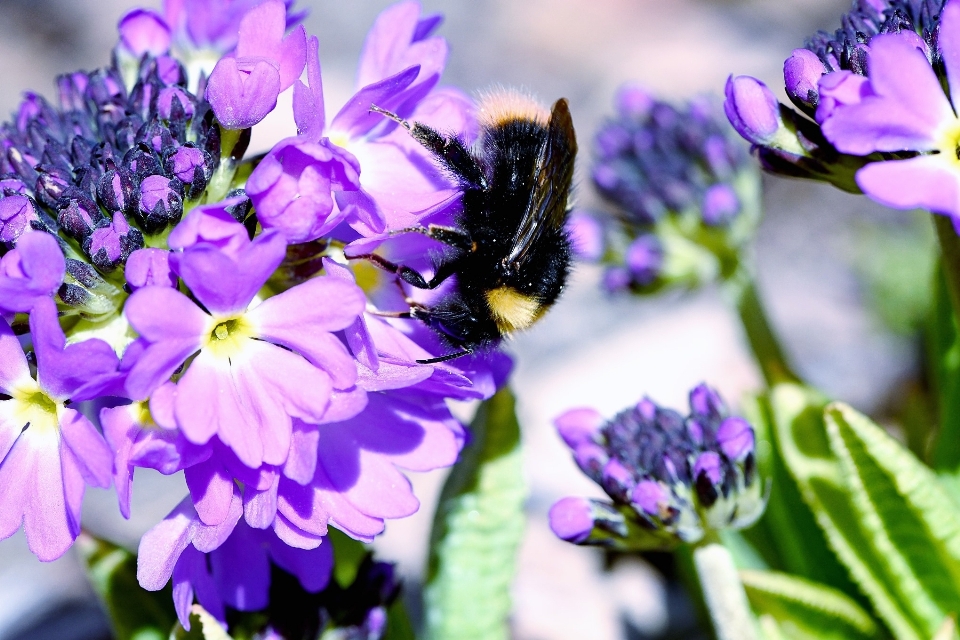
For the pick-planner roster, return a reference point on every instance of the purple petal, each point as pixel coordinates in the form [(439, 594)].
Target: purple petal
[(211, 224), (650, 496), (89, 447), (241, 569), (241, 99), (308, 107), (31, 272), (207, 538), (144, 31), (161, 546), (293, 536), (907, 111), (709, 464), (735, 437), (302, 461), (840, 89), (312, 567), (948, 38), (16, 214), (355, 118), (211, 490), (260, 507), (391, 33), (226, 284), (752, 109), (578, 426), (149, 267), (13, 362), (293, 53), (929, 182)]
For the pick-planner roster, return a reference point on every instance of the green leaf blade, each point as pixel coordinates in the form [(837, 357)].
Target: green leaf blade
[(806, 610), (912, 524), (477, 530)]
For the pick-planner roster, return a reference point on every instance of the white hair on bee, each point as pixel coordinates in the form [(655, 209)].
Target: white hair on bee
[(499, 105)]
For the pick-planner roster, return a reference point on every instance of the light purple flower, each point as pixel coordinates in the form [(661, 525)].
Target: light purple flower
[(752, 109), (243, 87), (213, 24), (49, 450), (144, 32), (256, 367), (801, 75), (16, 214), (904, 108), (31, 272)]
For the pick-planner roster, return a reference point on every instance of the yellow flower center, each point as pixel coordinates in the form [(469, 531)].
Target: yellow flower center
[(950, 142), (228, 336), (35, 408)]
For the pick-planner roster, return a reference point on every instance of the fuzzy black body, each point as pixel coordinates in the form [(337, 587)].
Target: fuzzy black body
[(509, 251)]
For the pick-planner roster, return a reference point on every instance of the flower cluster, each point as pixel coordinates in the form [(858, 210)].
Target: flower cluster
[(875, 116), (203, 305), (682, 188), (671, 478)]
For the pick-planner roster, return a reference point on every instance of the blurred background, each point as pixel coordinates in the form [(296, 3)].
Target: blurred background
[(819, 253)]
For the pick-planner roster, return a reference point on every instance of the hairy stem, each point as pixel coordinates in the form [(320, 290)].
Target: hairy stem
[(723, 592)]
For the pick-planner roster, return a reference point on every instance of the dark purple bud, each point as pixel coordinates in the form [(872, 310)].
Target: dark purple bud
[(650, 497), (116, 190), (110, 245), (160, 202), (644, 258), (706, 402), (72, 89), (735, 437), (170, 71), (174, 103), (149, 267), (707, 474), (752, 109), (23, 164), (78, 215), (16, 214), (157, 137), (105, 87), (185, 163), (633, 101), (606, 176), (591, 459), (571, 519), (719, 156), (142, 162), (720, 205), (52, 184), (801, 76), (695, 432), (143, 98), (30, 108), (618, 481), (144, 32), (237, 205), (647, 409)]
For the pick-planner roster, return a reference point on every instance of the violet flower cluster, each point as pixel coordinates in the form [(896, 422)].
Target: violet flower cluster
[(671, 478), (203, 306), (875, 113), (684, 192)]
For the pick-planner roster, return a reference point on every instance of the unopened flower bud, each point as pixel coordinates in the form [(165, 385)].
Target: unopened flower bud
[(16, 214), (78, 215), (720, 205), (160, 202), (752, 109), (801, 76)]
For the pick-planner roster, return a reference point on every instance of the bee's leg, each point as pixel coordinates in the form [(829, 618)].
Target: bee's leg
[(450, 236), (450, 150), (448, 356), (408, 275)]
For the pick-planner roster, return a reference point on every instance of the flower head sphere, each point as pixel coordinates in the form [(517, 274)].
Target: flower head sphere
[(672, 478)]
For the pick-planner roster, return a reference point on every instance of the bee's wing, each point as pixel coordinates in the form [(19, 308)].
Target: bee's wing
[(551, 178)]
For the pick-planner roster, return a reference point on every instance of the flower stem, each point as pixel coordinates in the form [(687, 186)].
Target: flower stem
[(742, 290), (723, 592), (950, 256)]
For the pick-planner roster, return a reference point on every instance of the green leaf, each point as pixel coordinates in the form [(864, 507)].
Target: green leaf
[(398, 623), (803, 442), (911, 523), (135, 613), (348, 554), (806, 610), (476, 531), (787, 535), (943, 345)]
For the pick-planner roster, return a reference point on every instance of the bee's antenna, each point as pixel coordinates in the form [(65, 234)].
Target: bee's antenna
[(449, 356), (389, 114)]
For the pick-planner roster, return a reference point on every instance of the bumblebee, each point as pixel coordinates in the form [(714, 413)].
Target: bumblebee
[(509, 250)]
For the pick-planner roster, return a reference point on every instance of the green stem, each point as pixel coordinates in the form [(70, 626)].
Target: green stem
[(723, 592), (950, 255), (763, 341)]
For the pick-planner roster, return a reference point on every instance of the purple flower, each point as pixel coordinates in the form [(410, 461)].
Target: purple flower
[(720, 204), (586, 235), (256, 367), (213, 24), (399, 182), (243, 88), (801, 74), (144, 32), (31, 272), (902, 107), (49, 450)]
